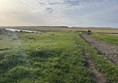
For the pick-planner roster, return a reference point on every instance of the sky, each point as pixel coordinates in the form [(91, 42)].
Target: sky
[(86, 13)]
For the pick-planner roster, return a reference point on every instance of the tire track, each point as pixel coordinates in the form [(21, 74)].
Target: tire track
[(99, 78), (109, 50)]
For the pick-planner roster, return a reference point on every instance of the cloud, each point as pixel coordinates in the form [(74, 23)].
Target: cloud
[(59, 12), (49, 10)]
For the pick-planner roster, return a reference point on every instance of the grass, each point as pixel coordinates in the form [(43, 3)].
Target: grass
[(66, 28), (51, 57), (105, 66), (109, 38)]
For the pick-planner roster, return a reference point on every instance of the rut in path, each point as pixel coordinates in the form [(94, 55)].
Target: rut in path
[(96, 74), (109, 50)]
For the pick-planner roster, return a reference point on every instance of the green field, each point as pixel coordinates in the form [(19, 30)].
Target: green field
[(50, 57), (109, 38)]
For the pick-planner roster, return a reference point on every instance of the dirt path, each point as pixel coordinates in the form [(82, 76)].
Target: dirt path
[(109, 50), (96, 74)]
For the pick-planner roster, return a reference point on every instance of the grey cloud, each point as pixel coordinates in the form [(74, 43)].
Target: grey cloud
[(55, 3), (72, 2), (49, 10)]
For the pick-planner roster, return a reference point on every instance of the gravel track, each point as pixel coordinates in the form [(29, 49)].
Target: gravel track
[(109, 50)]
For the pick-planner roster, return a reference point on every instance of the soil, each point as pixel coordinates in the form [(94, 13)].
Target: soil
[(106, 49)]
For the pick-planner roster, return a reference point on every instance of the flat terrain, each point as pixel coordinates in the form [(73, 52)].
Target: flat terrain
[(65, 28), (47, 57), (111, 51), (53, 56), (108, 38)]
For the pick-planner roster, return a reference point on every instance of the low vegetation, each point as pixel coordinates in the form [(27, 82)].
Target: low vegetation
[(105, 66), (109, 38), (50, 57)]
